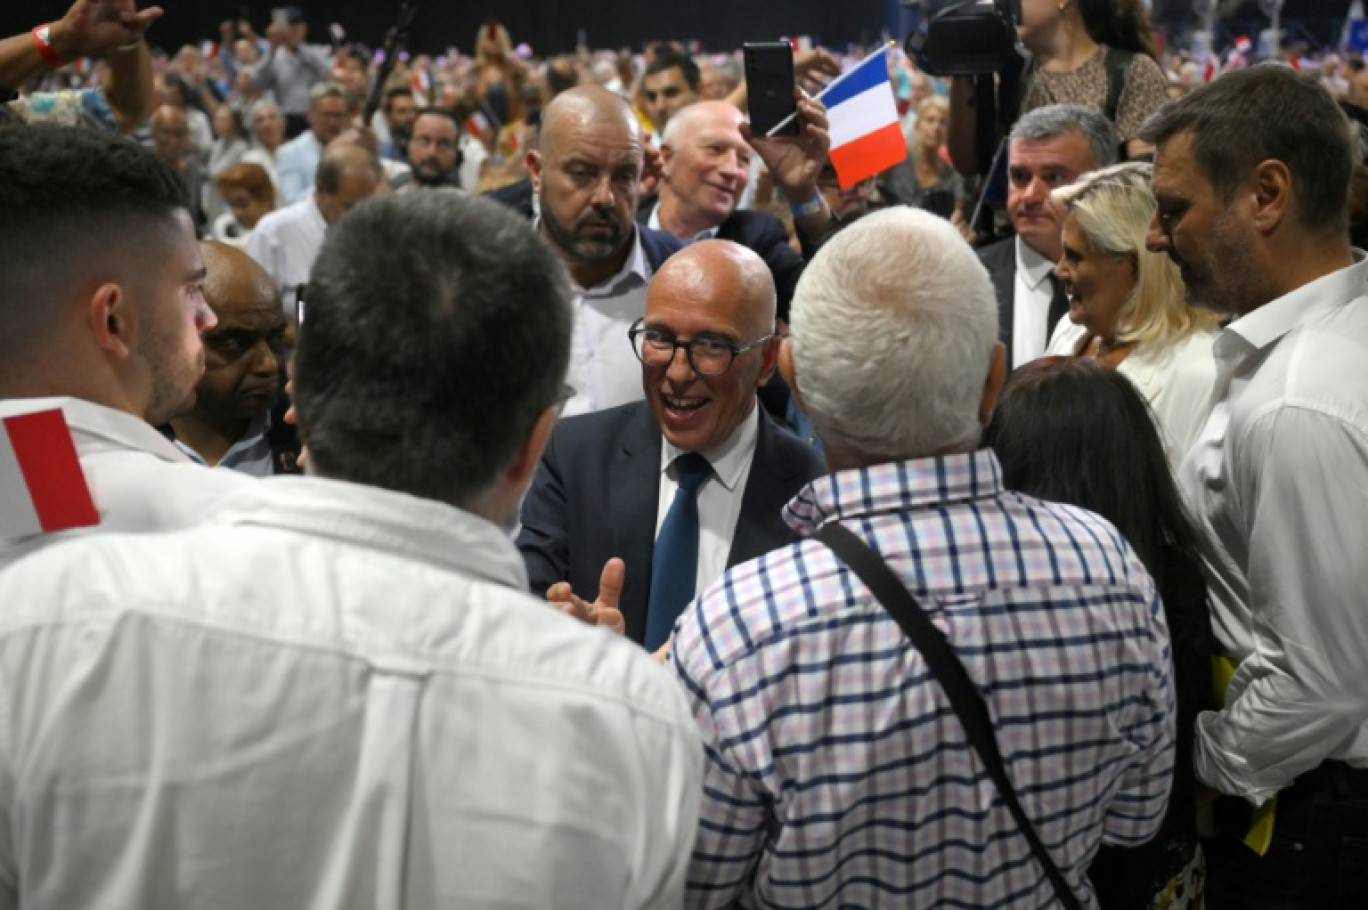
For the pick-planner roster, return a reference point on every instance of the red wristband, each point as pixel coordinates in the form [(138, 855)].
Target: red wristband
[(40, 35)]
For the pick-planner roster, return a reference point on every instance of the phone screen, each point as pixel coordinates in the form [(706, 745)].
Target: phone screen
[(280, 16), (769, 87)]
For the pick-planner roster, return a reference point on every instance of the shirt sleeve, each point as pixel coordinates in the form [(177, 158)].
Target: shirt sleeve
[(734, 817), (1137, 812), (294, 183), (1301, 478)]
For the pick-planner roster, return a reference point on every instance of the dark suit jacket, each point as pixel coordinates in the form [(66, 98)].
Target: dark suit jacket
[(1000, 260), (595, 496), (766, 235), (658, 245)]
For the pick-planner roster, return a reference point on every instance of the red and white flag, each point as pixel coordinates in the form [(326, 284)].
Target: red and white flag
[(42, 486)]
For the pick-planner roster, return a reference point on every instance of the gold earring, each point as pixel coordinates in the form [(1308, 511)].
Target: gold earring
[(1062, 8)]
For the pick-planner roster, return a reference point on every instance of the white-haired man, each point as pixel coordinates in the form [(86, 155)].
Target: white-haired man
[(836, 772)]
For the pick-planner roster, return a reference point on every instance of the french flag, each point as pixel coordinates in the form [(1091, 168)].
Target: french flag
[(42, 486), (866, 138)]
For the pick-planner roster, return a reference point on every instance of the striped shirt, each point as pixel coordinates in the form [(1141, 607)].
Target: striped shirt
[(837, 774)]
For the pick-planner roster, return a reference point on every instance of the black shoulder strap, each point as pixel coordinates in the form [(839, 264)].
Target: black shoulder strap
[(941, 660), (1117, 64)]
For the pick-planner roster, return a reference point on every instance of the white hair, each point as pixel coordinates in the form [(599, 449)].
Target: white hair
[(893, 328)]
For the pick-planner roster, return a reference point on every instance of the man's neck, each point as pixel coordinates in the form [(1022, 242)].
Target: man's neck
[(677, 218), (209, 436), (1308, 258)]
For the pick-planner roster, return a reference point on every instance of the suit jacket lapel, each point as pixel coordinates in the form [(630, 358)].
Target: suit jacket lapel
[(633, 494)]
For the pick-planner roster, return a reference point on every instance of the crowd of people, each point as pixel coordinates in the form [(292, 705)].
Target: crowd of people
[(541, 490)]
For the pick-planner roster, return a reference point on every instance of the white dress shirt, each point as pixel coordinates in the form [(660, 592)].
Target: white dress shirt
[(138, 479), (1278, 481), (1030, 304), (296, 164), (603, 370), (719, 497), (1176, 379), (328, 695), (286, 243)]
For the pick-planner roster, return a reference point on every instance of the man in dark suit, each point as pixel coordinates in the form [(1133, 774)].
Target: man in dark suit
[(1049, 147), (707, 158), (598, 525)]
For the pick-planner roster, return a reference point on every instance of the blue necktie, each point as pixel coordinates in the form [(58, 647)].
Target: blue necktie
[(674, 561)]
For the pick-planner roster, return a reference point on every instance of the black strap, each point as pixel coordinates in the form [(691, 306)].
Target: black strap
[(1117, 64), (948, 670)]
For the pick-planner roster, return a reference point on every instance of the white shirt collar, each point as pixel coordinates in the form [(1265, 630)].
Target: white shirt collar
[(653, 222), (1034, 267), (1265, 325), (101, 423), (728, 460)]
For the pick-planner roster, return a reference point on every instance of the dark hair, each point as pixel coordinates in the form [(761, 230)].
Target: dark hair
[(438, 330), (562, 74), (1073, 431), (1122, 24), (397, 91), (435, 111), (72, 199), (1266, 112), (669, 61), (239, 127)]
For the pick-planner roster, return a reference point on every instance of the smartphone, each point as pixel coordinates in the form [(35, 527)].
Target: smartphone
[(280, 16), (300, 289), (769, 88)]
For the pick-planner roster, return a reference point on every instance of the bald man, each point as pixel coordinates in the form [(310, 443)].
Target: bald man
[(582, 192), (598, 525), (231, 424), (707, 165), (286, 242)]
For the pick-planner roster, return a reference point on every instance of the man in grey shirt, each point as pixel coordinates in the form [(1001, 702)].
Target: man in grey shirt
[(291, 67)]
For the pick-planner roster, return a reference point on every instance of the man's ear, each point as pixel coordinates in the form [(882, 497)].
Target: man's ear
[(112, 320), (786, 370), (769, 360), (534, 169), (666, 156), (524, 464), (1271, 185), (997, 374)]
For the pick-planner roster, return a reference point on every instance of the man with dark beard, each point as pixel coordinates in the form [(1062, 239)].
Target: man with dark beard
[(434, 150), (1251, 174), (585, 172), (101, 318)]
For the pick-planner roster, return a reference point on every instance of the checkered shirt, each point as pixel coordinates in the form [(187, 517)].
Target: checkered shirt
[(837, 774)]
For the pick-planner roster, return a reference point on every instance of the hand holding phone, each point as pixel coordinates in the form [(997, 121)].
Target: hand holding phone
[(769, 88)]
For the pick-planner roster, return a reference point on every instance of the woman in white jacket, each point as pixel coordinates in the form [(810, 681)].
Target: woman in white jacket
[(1127, 306)]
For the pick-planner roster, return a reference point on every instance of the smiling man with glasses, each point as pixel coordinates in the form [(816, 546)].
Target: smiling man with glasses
[(637, 508)]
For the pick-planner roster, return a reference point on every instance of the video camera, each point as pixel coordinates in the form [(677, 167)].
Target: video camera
[(965, 37)]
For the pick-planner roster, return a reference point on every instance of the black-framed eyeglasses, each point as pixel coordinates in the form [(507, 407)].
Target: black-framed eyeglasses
[(707, 356)]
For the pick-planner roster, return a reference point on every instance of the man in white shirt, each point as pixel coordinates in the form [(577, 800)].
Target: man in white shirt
[(101, 318), (290, 69), (584, 175), (594, 524), (336, 692), (1251, 177), (286, 242), (296, 161), (1049, 147)]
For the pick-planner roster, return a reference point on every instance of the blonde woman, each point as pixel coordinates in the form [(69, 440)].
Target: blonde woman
[(1126, 304)]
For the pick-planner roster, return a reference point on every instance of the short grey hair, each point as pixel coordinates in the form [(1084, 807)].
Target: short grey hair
[(1055, 120), (327, 89), (893, 328)]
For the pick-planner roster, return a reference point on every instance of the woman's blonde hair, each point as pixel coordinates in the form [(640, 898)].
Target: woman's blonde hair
[(1114, 207)]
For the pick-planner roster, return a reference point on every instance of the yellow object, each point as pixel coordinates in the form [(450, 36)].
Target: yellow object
[(1260, 834)]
